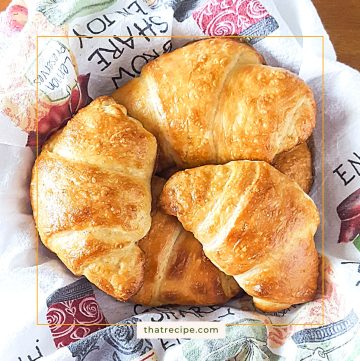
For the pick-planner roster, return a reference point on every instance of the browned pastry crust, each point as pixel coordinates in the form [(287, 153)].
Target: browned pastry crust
[(176, 269), (91, 197), (213, 101), (297, 165), (254, 223)]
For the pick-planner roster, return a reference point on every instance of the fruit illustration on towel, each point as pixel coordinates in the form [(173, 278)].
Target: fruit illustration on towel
[(60, 114), (349, 213), (17, 17)]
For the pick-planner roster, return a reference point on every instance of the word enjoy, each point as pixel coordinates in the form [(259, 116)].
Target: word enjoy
[(349, 171)]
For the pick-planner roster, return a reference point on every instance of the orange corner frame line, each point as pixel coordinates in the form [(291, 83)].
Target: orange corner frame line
[(322, 167)]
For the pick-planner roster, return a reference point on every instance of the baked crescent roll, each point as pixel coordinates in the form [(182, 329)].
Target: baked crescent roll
[(91, 196), (297, 165), (213, 101), (255, 224), (176, 269)]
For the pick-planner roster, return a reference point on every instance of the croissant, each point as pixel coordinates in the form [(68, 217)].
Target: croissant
[(91, 196), (214, 101), (297, 165), (255, 224), (176, 269)]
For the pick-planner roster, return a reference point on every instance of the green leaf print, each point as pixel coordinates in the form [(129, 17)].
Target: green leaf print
[(241, 343), (58, 12), (357, 242)]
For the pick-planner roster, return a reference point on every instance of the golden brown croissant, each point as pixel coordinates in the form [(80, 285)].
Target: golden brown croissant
[(254, 223), (176, 269), (91, 196), (297, 165), (213, 101)]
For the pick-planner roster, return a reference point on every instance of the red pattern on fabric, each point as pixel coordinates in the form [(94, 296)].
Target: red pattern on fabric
[(16, 17), (64, 319), (229, 17)]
